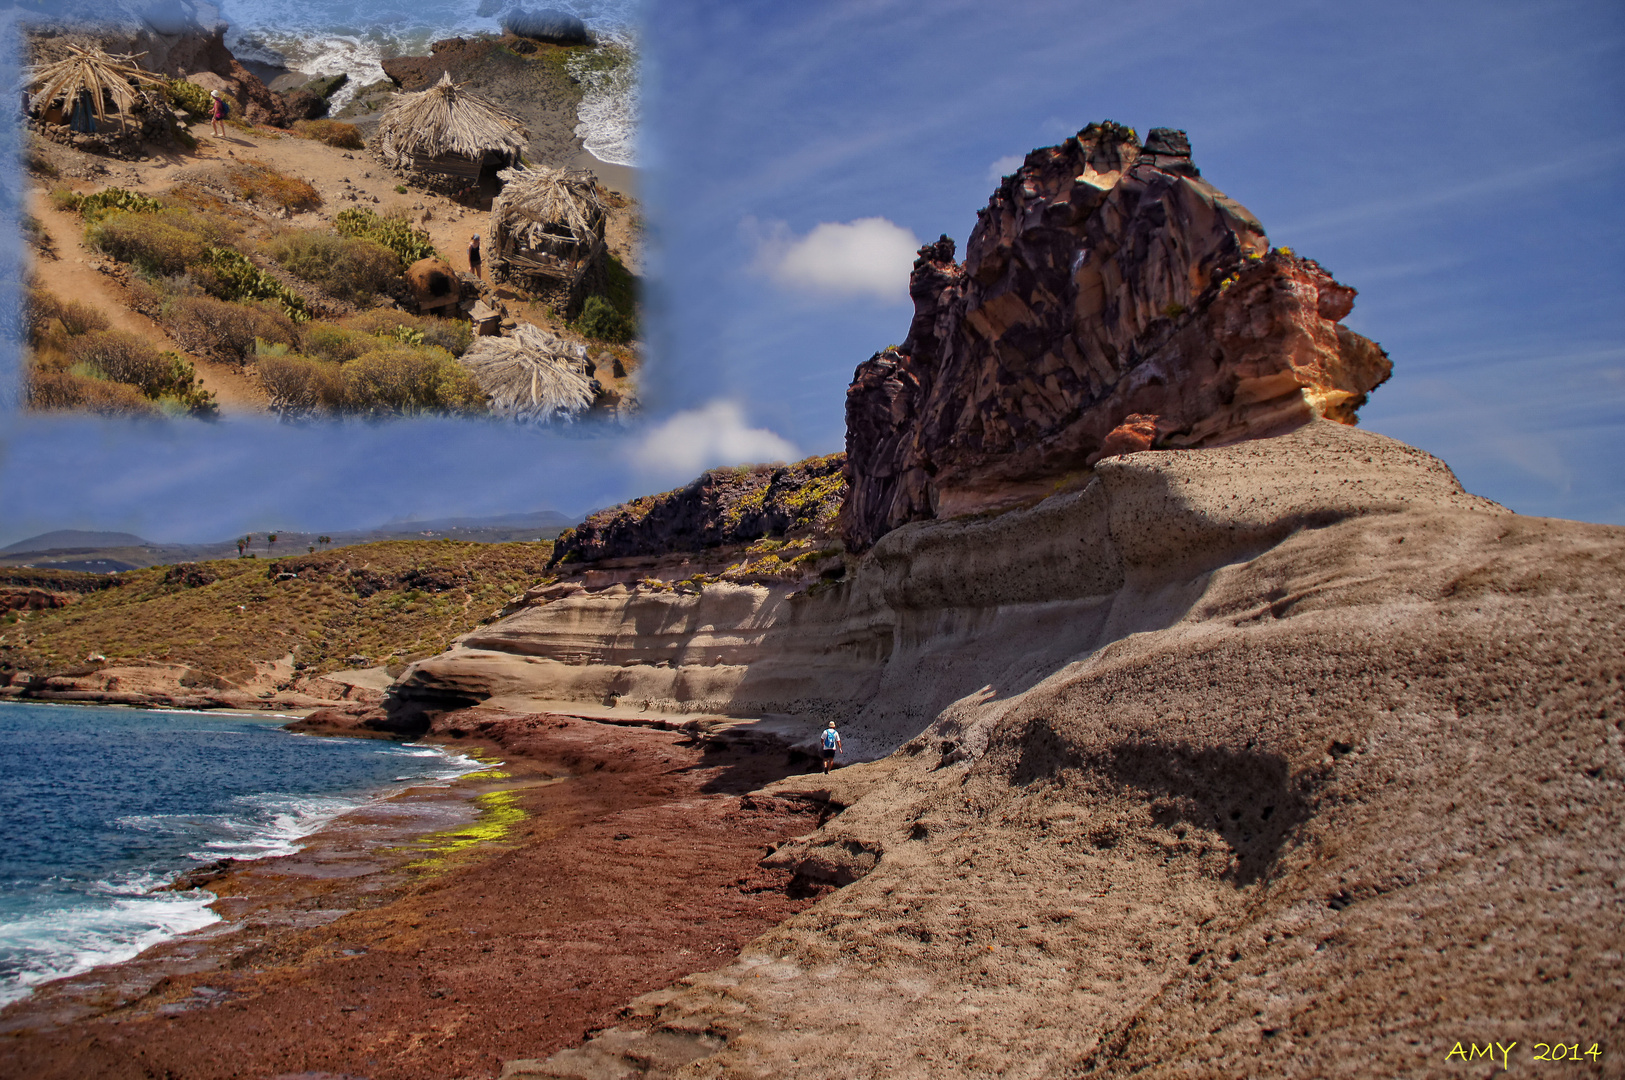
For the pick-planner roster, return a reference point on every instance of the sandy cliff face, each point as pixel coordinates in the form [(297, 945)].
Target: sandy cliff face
[(1285, 758), (1110, 300)]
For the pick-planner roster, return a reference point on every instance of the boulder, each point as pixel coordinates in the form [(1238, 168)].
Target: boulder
[(1110, 301), (549, 24)]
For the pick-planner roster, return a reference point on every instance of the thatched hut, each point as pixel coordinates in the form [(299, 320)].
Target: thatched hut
[(532, 375), (448, 137), (546, 231), (74, 97)]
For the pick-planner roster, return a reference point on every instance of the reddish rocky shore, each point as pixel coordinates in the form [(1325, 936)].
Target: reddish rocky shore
[(635, 864)]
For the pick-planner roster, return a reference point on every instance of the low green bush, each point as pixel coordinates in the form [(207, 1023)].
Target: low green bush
[(350, 268), (405, 380), (397, 234), (335, 343), (159, 243), (231, 275), (600, 320), (98, 204), (453, 335), (191, 98)]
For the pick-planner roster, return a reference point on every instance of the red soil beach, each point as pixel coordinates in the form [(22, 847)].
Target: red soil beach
[(635, 865)]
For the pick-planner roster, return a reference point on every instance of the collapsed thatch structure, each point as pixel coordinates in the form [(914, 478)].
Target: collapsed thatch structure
[(532, 375), (78, 89), (448, 135), (546, 231)]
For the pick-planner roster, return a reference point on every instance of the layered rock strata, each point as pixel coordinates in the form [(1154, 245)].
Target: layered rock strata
[(1110, 300), (1286, 758)]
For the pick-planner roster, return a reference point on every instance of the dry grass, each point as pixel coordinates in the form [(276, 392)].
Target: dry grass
[(332, 132), (51, 391), (260, 182), (398, 600)]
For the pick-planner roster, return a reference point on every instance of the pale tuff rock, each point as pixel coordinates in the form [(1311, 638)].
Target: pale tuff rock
[(1110, 301)]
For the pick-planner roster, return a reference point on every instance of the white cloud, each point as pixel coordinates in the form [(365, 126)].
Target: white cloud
[(690, 442), (869, 256), (1004, 167)]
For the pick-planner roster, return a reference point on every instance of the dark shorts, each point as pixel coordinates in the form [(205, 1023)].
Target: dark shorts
[(829, 752)]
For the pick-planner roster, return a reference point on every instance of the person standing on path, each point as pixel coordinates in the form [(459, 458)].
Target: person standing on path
[(217, 113), (832, 743), (474, 256)]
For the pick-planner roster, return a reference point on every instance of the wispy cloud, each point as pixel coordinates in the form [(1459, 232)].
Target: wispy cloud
[(688, 443), (1003, 167), (867, 257)]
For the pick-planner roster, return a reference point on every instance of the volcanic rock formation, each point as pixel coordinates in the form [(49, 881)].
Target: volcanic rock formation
[(1110, 300)]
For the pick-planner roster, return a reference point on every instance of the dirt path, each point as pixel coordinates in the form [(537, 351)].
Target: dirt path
[(72, 276), (635, 865)]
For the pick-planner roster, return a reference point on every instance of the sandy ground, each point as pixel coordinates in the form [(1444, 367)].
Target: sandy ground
[(635, 864), (343, 178)]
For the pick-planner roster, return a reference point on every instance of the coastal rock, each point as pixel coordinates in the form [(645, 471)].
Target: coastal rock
[(1215, 765), (722, 507), (549, 25), (1105, 284)]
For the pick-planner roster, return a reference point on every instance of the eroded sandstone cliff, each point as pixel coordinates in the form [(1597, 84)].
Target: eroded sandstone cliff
[(1110, 300)]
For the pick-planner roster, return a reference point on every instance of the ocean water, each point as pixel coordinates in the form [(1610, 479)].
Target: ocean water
[(329, 36), (100, 806)]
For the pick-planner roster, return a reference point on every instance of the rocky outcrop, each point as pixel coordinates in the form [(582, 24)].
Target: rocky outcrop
[(1252, 760), (1110, 301), (723, 507)]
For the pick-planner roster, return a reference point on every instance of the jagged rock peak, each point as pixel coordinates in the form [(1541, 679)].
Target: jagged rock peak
[(1110, 300)]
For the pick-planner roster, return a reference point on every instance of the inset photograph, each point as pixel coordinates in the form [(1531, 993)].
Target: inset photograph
[(320, 223)]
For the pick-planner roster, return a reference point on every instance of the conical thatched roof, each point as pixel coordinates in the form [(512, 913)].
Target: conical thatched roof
[(531, 375), (447, 119), (533, 198), (90, 70)]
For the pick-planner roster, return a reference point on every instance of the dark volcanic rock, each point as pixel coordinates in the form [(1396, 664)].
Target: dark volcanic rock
[(549, 24), (1110, 301), (724, 506)]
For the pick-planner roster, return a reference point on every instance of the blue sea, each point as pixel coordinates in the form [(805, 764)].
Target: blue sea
[(329, 36), (100, 806)]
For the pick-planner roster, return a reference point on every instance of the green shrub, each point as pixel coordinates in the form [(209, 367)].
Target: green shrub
[(601, 321), (332, 132), (397, 234), (156, 243), (403, 380), (101, 203), (335, 343), (229, 275), (224, 329), (65, 199), (453, 335), (349, 268), (54, 390), (299, 385), (191, 98), (400, 189)]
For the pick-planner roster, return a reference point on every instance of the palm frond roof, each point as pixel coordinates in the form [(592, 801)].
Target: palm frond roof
[(531, 375), (446, 118), (533, 198), (93, 71)]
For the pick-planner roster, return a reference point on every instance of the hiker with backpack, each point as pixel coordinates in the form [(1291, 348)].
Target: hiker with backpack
[(832, 743), (217, 113)]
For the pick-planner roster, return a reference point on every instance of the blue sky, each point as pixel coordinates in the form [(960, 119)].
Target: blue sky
[(1458, 163)]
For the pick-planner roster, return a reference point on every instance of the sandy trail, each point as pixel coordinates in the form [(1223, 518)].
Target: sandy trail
[(72, 276)]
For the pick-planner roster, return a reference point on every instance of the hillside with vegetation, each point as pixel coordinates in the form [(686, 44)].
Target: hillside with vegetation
[(369, 605)]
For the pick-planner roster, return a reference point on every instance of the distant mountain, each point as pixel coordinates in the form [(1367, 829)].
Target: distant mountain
[(68, 539), (104, 552)]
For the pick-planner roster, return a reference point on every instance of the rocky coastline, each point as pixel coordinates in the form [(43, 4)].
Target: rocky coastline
[(1188, 728)]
